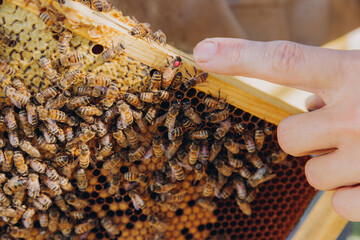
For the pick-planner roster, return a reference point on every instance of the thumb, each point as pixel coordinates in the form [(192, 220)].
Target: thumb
[(308, 68)]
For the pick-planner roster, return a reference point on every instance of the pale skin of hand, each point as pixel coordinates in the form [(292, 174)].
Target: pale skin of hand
[(332, 129)]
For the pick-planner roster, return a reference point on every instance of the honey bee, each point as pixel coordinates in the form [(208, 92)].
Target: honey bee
[(120, 138), (50, 72), (158, 188), (9, 118), (89, 92), (111, 94), (222, 168), (244, 172), (6, 68), (207, 204), (255, 160), (43, 202), (31, 114), (53, 186), (191, 114), (65, 226), (3, 178), (172, 148), (49, 138), (64, 40), (177, 170), (223, 129), (89, 111), (8, 160), (232, 146), (33, 185), (4, 200), (141, 30), (13, 138), (240, 127), (104, 152), (19, 163), (148, 97), (109, 115), (140, 121), (201, 134), (77, 215), (151, 114), (244, 206), (47, 93), (2, 121), (261, 175), (196, 79), (176, 132), (42, 144), (85, 227), (20, 232), (71, 199), (218, 116), (226, 191), (204, 155), (163, 95), (268, 130), (24, 124), (155, 81), (137, 154), (141, 178), (29, 149), (28, 217), (18, 200), (109, 227), (212, 104), (126, 113), (84, 157), (158, 148), (249, 142), (69, 78), (157, 224), (251, 196), (131, 137), (170, 71), (65, 183), (98, 80), (81, 179), (114, 185), (86, 135), (43, 219), (15, 96), (53, 220), (277, 157), (58, 115), (215, 149), (240, 187), (136, 200), (52, 173), (194, 152), (234, 162), (2, 160), (134, 100), (209, 186), (70, 59), (60, 202), (113, 52), (199, 173), (5, 39), (259, 138), (159, 37)]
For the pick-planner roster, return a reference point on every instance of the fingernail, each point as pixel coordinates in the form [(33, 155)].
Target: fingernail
[(204, 51)]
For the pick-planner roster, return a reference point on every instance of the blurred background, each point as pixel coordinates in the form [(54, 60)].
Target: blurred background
[(329, 23)]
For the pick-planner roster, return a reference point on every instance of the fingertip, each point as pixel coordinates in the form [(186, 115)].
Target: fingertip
[(314, 102), (205, 50)]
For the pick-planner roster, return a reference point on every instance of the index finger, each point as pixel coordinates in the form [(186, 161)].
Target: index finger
[(304, 67)]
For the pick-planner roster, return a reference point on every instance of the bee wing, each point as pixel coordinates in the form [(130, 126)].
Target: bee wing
[(130, 186), (148, 153), (135, 204), (186, 166), (16, 103)]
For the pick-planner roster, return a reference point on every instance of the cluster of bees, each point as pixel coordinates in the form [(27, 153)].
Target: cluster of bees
[(54, 135)]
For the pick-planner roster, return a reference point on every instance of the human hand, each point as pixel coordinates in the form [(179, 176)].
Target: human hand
[(332, 129)]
